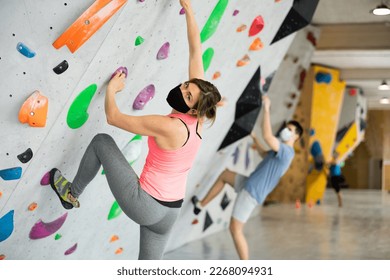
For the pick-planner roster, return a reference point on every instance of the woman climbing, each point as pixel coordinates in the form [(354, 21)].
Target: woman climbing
[(154, 199)]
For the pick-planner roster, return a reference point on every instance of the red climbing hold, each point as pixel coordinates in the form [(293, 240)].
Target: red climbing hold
[(257, 26)]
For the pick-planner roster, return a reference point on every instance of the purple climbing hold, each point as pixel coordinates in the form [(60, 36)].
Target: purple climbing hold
[(163, 51), (235, 12), (141, 0), (45, 179), (182, 11), (120, 70), (144, 97), (71, 250), (42, 229)]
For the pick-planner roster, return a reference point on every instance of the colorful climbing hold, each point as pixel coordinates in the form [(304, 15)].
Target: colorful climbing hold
[(241, 28), (13, 173), (6, 225), (42, 229), (352, 91), (121, 69), (25, 156), (143, 97), (133, 148), (32, 206), (236, 155), (195, 222), (323, 78), (163, 52), (45, 179), (114, 238), (115, 211), (24, 50), (247, 156), (139, 40), (61, 68), (2, 257), (216, 75), (310, 37), (222, 102), (77, 114), (119, 251), (297, 203), (57, 236), (235, 12), (256, 45), (182, 11), (1, 194), (34, 110), (212, 23), (71, 250), (257, 26), (243, 61), (207, 57)]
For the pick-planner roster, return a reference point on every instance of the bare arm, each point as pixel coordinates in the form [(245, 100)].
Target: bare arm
[(194, 44), (259, 147), (269, 138), (150, 125)]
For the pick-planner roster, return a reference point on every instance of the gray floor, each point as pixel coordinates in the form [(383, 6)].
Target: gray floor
[(359, 230)]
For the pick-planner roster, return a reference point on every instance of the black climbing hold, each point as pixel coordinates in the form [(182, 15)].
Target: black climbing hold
[(26, 156), (225, 201), (208, 221), (61, 68)]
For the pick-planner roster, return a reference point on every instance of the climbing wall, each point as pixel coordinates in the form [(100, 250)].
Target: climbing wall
[(352, 123), (327, 100), (52, 106)]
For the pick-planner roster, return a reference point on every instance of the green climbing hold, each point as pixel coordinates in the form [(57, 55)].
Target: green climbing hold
[(77, 114), (207, 57), (115, 211), (139, 40), (58, 236), (212, 23)]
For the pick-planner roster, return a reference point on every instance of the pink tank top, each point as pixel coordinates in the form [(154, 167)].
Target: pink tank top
[(164, 175)]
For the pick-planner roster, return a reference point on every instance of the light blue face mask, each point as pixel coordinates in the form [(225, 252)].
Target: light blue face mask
[(285, 134)]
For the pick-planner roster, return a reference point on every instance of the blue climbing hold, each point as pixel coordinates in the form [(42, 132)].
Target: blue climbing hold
[(24, 50), (315, 149), (312, 132), (11, 173), (6, 225), (323, 77)]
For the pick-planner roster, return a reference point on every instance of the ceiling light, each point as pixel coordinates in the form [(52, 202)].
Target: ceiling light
[(381, 10), (384, 100), (384, 86)]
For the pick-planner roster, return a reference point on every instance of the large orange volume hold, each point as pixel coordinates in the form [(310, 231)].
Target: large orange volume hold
[(88, 23), (34, 110)]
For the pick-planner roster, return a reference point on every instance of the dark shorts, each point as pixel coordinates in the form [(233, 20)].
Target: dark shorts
[(336, 182)]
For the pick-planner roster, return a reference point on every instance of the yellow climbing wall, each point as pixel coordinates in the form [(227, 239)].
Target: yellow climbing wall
[(327, 99), (348, 143)]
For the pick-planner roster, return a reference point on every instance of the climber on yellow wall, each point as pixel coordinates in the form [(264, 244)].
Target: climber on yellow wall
[(335, 177), (154, 199), (252, 191)]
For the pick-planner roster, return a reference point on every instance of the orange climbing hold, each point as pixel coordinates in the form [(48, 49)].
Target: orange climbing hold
[(32, 206), (256, 45), (241, 28), (243, 61), (2, 257), (88, 23), (119, 251), (1, 194), (216, 75), (114, 238), (34, 110)]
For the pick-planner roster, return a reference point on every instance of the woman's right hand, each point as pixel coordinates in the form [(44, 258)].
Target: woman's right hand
[(117, 83), (185, 3)]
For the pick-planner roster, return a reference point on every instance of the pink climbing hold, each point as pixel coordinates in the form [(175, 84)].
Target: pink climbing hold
[(257, 26), (45, 179), (71, 250), (144, 97), (235, 12), (120, 70), (163, 51), (182, 11), (42, 229)]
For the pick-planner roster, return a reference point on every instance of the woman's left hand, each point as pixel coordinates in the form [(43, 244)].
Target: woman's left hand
[(117, 83)]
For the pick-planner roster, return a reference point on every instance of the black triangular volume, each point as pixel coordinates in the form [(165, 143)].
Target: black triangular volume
[(248, 121), (234, 134), (225, 201), (207, 222), (300, 15), (26, 156)]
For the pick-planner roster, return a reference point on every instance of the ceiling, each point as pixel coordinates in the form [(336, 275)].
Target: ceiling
[(356, 42)]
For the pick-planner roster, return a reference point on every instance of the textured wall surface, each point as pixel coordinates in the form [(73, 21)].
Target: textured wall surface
[(86, 233)]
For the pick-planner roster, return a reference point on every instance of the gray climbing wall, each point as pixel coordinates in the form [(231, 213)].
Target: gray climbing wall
[(44, 231)]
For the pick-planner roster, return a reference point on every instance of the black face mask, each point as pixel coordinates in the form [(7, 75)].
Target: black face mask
[(176, 101)]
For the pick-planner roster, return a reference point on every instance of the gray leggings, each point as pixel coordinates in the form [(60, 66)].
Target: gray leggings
[(155, 220)]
